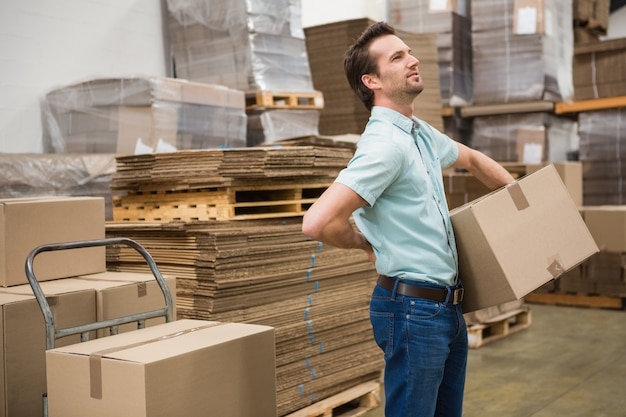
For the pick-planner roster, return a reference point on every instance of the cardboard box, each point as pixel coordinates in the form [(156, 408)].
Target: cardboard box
[(23, 341), (182, 368), (607, 225), (124, 115), (26, 223), (515, 239), (599, 69), (120, 294), (74, 301)]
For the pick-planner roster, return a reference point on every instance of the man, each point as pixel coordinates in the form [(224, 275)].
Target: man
[(394, 189)]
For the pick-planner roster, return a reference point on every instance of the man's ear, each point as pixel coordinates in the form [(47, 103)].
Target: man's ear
[(370, 81)]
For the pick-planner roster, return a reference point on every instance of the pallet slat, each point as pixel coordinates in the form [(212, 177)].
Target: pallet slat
[(512, 322), (578, 300), (366, 396), (221, 203), (284, 100)]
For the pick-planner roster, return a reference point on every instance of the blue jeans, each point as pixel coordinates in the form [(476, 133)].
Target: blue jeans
[(425, 349)]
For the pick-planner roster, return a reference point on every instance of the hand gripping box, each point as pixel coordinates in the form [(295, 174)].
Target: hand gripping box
[(517, 238), (188, 368)]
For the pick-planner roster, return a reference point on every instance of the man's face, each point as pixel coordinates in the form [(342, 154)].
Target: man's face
[(398, 70)]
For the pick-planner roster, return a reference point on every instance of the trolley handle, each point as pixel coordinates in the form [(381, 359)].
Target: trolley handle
[(52, 334)]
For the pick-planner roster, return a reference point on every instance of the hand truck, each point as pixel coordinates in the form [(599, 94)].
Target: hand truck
[(53, 333)]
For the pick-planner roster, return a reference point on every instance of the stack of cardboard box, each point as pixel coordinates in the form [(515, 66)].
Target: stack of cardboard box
[(141, 115), (602, 154), (79, 291), (530, 138), (603, 274), (246, 45), (522, 50), (451, 22), (600, 69), (343, 111), (591, 19)]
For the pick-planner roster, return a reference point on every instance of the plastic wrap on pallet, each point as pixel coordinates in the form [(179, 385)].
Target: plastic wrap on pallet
[(528, 137), (41, 175), (271, 126), (141, 115), (246, 45), (454, 42), (522, 50), (600, 69), (603, 152)]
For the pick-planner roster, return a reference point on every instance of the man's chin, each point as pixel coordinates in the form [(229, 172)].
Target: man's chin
[(417, 89)]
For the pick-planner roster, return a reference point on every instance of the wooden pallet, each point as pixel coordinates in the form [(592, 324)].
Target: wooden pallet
[(284, 100), (353, 402), (578, 300), (222, 203), (484, 333)]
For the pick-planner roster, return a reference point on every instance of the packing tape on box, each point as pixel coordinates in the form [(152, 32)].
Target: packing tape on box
[(142, 289), (517, 195), (95, 358), (555, 266)]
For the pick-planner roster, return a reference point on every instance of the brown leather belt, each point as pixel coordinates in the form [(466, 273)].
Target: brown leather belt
[(411, 290)]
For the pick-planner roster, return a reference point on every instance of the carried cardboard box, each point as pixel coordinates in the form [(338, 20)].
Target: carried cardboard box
[(182, 368), (26, 223), (571, 173), (515, 239)]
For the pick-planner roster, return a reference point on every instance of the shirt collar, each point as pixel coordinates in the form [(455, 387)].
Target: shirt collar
[(410, 126)]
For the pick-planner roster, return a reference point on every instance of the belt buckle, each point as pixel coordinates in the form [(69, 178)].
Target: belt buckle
[(457, 295)]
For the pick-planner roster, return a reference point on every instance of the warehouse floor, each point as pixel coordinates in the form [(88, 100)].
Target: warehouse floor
[(570, 362)]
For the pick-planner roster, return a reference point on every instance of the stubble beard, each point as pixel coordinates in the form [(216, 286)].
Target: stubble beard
[(408, 93)]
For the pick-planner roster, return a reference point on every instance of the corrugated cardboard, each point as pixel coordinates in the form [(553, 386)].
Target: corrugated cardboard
[(73, 301), (182, 368), (121, 294), (607, 225), (27, 223), (514, 240), (23, 341), (599, 69), (571, 173)]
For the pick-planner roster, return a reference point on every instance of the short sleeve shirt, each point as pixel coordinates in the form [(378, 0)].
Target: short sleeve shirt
[(397, 170)]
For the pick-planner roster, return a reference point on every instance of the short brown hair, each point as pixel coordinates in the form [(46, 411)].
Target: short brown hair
[(358, 61)]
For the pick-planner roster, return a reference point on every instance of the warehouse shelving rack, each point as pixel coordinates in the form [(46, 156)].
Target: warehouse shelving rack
[(559, 108)]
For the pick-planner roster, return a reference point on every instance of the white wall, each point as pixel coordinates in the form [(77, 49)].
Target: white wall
[(46, 44)]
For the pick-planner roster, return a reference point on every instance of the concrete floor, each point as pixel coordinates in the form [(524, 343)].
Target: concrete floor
[(570, 362)]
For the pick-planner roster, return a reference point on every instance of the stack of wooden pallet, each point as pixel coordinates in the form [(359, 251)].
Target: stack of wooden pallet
[(231, 184)]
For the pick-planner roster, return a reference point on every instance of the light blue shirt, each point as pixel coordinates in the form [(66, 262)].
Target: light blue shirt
[(397, 169)]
